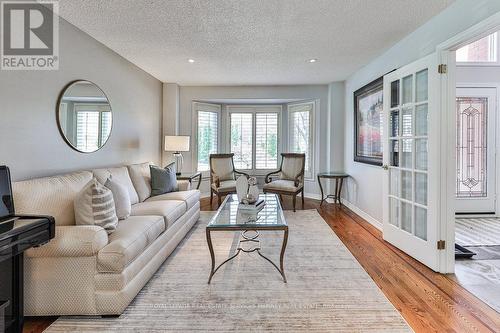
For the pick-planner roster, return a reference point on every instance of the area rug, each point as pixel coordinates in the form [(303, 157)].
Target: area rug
[(477, 232), (327, 289)]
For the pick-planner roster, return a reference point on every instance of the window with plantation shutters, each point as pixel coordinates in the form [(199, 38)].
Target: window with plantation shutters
[(254, 136), (300, 131), (242, 140), (207, 138), (207, 129), (93, 125), (266, 140)]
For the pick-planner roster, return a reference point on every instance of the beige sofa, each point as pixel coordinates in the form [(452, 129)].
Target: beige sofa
[(83, 271)]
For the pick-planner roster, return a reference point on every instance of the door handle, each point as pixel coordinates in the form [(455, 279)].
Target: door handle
[(385, 167)]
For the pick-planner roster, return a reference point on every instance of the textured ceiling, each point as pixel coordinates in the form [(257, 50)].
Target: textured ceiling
[(249, 42)]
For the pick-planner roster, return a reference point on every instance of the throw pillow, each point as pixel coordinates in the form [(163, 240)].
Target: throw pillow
[(163, 180), (120, 197), (94, 205)]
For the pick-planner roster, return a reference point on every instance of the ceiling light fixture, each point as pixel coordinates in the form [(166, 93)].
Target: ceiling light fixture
[(312, 60), (191, 60)]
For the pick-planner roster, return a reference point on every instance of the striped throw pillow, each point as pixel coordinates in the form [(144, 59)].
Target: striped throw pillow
[(94, 205)]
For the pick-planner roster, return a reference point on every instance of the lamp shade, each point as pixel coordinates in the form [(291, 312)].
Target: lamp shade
[(176, 143)]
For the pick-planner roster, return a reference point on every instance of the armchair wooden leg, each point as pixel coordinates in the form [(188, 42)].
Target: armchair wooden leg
[(302, 198), (219, 199), (294, 200), (211, 197)]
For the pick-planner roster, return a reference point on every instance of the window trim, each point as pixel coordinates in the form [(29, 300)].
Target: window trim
[(482, 63), (196, 107), (308, 175), (254, 109)]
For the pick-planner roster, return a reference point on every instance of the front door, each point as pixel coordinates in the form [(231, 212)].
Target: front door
[(475, 189), (411, 159)]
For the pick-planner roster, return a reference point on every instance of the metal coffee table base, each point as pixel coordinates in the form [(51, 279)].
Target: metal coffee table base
[(248, 243)]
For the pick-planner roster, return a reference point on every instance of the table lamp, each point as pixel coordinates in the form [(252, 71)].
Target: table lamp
[(177, 144)]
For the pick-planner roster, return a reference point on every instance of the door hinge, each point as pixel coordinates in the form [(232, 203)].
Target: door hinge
[(441, 244), (442, 69)]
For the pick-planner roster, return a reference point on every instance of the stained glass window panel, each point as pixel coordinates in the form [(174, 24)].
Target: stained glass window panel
[(471, 146)]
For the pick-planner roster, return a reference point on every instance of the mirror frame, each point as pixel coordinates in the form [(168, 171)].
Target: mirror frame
[(58, 105)]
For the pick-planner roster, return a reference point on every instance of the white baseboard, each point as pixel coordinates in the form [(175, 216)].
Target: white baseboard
[(370, 219)]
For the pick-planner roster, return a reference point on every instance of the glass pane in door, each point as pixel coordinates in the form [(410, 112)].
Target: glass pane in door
[(421, 188), (394, 211), (471, 147), (421, 86), (408, 89), (394, 123), (394, 179), (407, 153), (421, 120), (406, 186), (406, 216), (394, 93), (407, 121), (394, 156), (421, 153), (421, 222)]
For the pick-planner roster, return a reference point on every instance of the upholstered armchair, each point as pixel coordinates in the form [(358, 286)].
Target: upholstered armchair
[(290, 177), (222, 176)]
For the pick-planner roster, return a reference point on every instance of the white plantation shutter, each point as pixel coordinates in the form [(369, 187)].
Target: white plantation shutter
[(208, 128), (266, 140), (300, 131), (241, 140), (105, 125), (87, 131)]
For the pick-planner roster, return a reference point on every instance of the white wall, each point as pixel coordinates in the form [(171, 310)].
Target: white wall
[(327, 157), (30, 143), (364, 189)]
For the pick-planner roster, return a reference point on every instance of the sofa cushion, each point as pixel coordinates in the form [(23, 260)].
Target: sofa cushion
[(282, 185), (141, 178), (94, 205), (120, 175), (171, 210), (52, 196), (130, 239), (190, 198)]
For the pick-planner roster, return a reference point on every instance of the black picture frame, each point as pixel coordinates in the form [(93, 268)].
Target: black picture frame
[(373, 89)]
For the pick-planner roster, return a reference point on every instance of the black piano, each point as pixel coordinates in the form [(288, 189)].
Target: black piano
[(17, 234)]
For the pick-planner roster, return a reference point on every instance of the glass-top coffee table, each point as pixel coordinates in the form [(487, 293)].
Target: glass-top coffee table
[(230, 218)]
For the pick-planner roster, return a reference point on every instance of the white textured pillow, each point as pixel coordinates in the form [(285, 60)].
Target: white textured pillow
[(94, 205), (120, 197), (141, 178)]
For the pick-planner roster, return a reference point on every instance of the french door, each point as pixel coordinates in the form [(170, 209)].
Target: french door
[(476, 167), (411, 155)]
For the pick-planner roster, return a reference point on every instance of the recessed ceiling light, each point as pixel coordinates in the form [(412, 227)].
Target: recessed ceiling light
[(191, 60), (312, 60)]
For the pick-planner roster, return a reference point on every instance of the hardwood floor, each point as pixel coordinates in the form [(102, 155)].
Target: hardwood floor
[(429, 302)]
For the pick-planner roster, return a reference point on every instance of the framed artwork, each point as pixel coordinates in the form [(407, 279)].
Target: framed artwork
[(368, 113)]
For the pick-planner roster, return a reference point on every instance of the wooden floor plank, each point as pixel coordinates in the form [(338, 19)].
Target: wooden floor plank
[(429, 302)]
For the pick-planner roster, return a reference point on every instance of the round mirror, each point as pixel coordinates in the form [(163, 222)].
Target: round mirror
[(84, 116)]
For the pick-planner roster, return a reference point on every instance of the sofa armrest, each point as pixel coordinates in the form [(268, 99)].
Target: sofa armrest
[(183, 185), (73, 241)]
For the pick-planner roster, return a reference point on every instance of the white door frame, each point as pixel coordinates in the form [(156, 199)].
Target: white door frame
[(446, 55)]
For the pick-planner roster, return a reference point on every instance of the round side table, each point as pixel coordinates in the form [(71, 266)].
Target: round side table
[(339, 181)]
